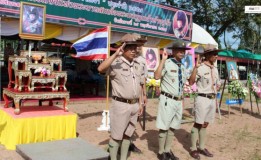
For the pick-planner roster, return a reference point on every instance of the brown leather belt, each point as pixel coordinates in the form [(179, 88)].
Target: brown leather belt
[(210, 95), (130, 101), (171, 96)]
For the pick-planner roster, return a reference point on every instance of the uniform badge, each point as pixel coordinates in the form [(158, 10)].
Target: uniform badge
[(174, 71), (173, 80), (125, 69)]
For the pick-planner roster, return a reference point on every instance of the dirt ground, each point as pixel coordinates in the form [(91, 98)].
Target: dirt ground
[(237, 137)]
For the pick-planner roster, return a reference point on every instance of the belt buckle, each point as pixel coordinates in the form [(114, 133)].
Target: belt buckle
[(179, 98), (131, 101), (212, 96)]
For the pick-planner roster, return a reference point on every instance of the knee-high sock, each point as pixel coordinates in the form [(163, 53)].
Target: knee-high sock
[(113, 148), (162, 140), (125, 148), (169, 140), (194, 138), (202, 138)]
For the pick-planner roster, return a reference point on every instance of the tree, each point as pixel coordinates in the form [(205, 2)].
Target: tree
[(221, 16)]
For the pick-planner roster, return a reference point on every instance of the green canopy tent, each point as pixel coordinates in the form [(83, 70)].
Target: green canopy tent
[(243, 54), (257, 57), (240, 55), (226, 53)]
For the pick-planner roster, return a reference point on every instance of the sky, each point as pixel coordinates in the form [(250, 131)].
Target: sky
[(229, 41)]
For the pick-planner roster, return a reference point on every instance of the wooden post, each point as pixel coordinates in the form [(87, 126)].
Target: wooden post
[(144, 118), (220, 101), (228, 106), (105, 114), (257, 105), (108, 78), (250, 101), (241, 111)]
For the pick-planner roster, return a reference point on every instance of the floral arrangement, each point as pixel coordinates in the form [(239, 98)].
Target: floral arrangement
[(153, 84), (189, 91), (43, 71), (254, 85), (237, 90)]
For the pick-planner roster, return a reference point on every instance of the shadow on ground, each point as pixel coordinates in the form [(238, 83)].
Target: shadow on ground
[(152, 140), (183, 138), (87, 115)]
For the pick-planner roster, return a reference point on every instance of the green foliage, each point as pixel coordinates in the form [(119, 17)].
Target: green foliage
[(253, 85), (190, 95), (237, 90), (219, 17)]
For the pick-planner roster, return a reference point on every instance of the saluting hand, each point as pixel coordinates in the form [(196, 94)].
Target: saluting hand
[(120, 50), (165, 54), (198, 63)]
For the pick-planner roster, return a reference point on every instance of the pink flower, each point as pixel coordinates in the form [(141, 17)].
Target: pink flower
[(194, 88)]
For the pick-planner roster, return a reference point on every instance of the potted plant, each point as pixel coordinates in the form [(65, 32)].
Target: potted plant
[(254, 85), (189, 91), (152, 83), (237, 90)]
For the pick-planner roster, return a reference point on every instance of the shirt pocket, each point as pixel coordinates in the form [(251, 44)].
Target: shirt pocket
[(172, 73), (207, 80), (139, 77), (125, 76)]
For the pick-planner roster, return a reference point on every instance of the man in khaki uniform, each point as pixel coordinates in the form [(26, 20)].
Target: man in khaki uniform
[(207, 80), (126, 76), (172, 74), (142, 61)]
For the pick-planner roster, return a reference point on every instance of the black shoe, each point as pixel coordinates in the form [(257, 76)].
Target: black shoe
[(171, 156), (205, 152), (133, 148), (162, 156)]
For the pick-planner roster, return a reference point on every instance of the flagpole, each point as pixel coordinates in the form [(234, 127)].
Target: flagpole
[(105, 115), (108, 55), (108, 77)]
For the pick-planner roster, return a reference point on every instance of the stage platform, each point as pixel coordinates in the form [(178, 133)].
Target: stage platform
[(69, 149), (35, 124)]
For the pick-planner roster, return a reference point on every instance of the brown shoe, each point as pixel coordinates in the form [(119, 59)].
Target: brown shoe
[(195, 154), (205, 152)]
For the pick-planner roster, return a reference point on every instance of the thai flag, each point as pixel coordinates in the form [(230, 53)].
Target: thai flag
[(93, 46)]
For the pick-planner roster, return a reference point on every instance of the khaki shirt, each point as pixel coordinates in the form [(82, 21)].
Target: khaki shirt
[(142, 62), (207, 79), (126, 78), (170, 79)]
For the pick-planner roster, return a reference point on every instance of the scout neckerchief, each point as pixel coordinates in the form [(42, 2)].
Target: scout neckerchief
[(212, 75), (131, 64), (179, 74)]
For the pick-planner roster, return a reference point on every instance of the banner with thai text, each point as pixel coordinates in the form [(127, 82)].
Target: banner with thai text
[(137, 16)]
